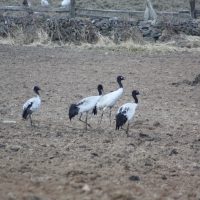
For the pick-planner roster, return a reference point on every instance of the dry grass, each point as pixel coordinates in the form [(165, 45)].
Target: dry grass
[(41, 38), (9, 40), (193, 40), (20, 37), (150, 47)]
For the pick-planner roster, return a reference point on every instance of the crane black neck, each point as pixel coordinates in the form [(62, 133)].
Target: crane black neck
[(135, 98), (120, 83), (37, 92), (100, 92)]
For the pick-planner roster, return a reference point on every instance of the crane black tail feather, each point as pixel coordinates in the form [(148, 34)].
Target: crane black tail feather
[(73, 111), (120, 120), (94, 111), (27, 111)]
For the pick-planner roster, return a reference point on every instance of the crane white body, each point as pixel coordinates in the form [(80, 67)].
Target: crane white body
[(87, 104), (65, 3), (36, 102), (109, 100), (128, 110), (44, 3), (32, 105)]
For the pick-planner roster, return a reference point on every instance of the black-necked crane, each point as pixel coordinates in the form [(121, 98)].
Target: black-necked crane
[(65, 3), (85, 106), (110, 99), (26, 3), (32, 105), (44, 3), (126, 112)]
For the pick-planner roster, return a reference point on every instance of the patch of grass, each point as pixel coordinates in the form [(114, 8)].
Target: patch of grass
[(42, 38), (193, 40), (21, 37), (135, 44), (141, 46), (8, 40)]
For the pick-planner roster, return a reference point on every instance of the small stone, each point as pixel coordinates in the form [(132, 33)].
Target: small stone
[(59, 134), (131, 144), (86, 188), (15, 148), (134, 178), (106, 141), (164, 177), (94, 154), (2, 146), (11, 196), (31, 197), (126, 167), (169, 134), (156, 124), (173, 152), (143, 135), (83, 146), (148, 162)]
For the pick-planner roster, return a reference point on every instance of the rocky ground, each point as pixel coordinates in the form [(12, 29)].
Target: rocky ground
[(58, 160)]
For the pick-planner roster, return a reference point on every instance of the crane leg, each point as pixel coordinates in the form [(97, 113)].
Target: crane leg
[(101, 117), (110, 116), (84, 121), (127, 130), (80, 117), (31, 120)]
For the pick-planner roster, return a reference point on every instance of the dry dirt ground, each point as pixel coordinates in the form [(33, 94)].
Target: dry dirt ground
[(58, 160)]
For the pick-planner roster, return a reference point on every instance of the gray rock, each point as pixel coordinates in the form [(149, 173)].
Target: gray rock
[(2, 146), (173, 152), (15, 148), (32, 197), (134, 178)]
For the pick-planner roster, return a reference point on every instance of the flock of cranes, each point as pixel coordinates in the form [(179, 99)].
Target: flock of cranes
[(91, 105), (45, 3)]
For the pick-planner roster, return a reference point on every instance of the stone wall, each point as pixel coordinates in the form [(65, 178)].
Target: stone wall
[(88, 30)]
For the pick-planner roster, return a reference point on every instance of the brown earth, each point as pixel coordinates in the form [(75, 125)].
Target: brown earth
[(58, 160)]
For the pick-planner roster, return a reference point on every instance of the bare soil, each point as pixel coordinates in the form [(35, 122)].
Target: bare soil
[(58, 160)]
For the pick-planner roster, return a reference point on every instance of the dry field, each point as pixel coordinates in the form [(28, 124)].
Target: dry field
[(58, 160), (169, 5)]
